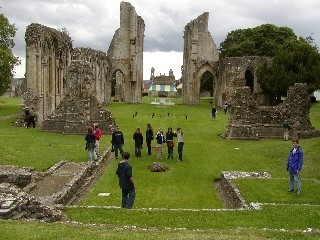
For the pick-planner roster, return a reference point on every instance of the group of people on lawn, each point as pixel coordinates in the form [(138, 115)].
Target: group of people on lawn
[(124, 170), (117, 141)]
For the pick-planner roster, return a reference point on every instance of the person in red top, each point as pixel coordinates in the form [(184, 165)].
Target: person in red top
[(97, 135)]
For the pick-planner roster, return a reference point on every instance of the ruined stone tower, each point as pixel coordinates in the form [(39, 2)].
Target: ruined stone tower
[(126, 54), (200, 55)]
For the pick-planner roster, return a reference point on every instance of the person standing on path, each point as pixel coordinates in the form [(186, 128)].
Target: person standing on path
[(117, 141), (126, 182), (294, 166), (149, 137)]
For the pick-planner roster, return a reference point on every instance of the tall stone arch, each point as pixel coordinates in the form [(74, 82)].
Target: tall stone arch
[(126, 53), (200, 54)]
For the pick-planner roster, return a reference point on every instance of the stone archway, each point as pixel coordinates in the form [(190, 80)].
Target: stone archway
[(249, 77), (207, 84), (118, 86)]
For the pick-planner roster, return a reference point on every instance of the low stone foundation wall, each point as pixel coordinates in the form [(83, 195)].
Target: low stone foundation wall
[(18, 176), (18, 203), (230, 191)]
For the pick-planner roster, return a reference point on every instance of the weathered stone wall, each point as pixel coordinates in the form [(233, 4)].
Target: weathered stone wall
[(18, 176), (232, 73), (48, 55), (16, 204), (126, 55), (200, 55), (80, 108), (249, 120), (98, 60)]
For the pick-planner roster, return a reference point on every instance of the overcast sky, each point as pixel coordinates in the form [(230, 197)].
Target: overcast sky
[(92, 23)]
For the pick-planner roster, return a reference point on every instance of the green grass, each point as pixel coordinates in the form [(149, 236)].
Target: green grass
[(187, 184), (9, 105)]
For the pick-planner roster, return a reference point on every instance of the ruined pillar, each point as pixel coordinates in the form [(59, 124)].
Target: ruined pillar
[(200, 52)]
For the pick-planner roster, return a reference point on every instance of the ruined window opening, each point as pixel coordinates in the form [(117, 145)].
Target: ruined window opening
[(249, 79)]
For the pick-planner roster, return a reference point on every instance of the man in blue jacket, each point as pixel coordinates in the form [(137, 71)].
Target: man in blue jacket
[(294, 166)]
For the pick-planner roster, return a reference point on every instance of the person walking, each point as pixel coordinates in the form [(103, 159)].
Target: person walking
[(149, 137), (213, 112), (170, 143), (117, 141), (90, 145), (160, 140), (294, 166), (126, 182), (97, 135), (225, 108), (138, 142), (180, 135)]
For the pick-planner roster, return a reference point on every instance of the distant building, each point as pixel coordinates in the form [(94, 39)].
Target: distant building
[(15, 88)]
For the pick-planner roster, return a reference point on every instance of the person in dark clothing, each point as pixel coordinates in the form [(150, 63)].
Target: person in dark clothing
[(149, 137), (138, 142), (26, 117), (225, 108), (170, 143), (32, 119), (160, 141), (90, 145), (126, 182), (214, 112), (117, 141)]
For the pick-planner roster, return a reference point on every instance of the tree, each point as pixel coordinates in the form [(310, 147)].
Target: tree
[(206, 83), (263, 40), (294, 59), (294, 62), (7, 60)]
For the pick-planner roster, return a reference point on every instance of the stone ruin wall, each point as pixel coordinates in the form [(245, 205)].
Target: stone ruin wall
[(126, 54), (200, 55), (248, 120), (79, 108), (99, 63), (231, 74), (48, 55)]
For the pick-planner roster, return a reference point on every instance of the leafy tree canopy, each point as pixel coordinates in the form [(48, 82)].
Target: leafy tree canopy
[(7, 60), (263, 40), (294, 62)]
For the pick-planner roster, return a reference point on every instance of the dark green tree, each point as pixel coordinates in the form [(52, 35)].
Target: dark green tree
[(7, 60), (263, 40), (294, 62), (206, 83)]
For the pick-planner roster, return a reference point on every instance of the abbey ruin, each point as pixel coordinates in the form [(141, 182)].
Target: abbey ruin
[(56, 71)]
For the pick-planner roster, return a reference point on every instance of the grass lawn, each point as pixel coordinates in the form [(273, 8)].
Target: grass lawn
[(188, 185)]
